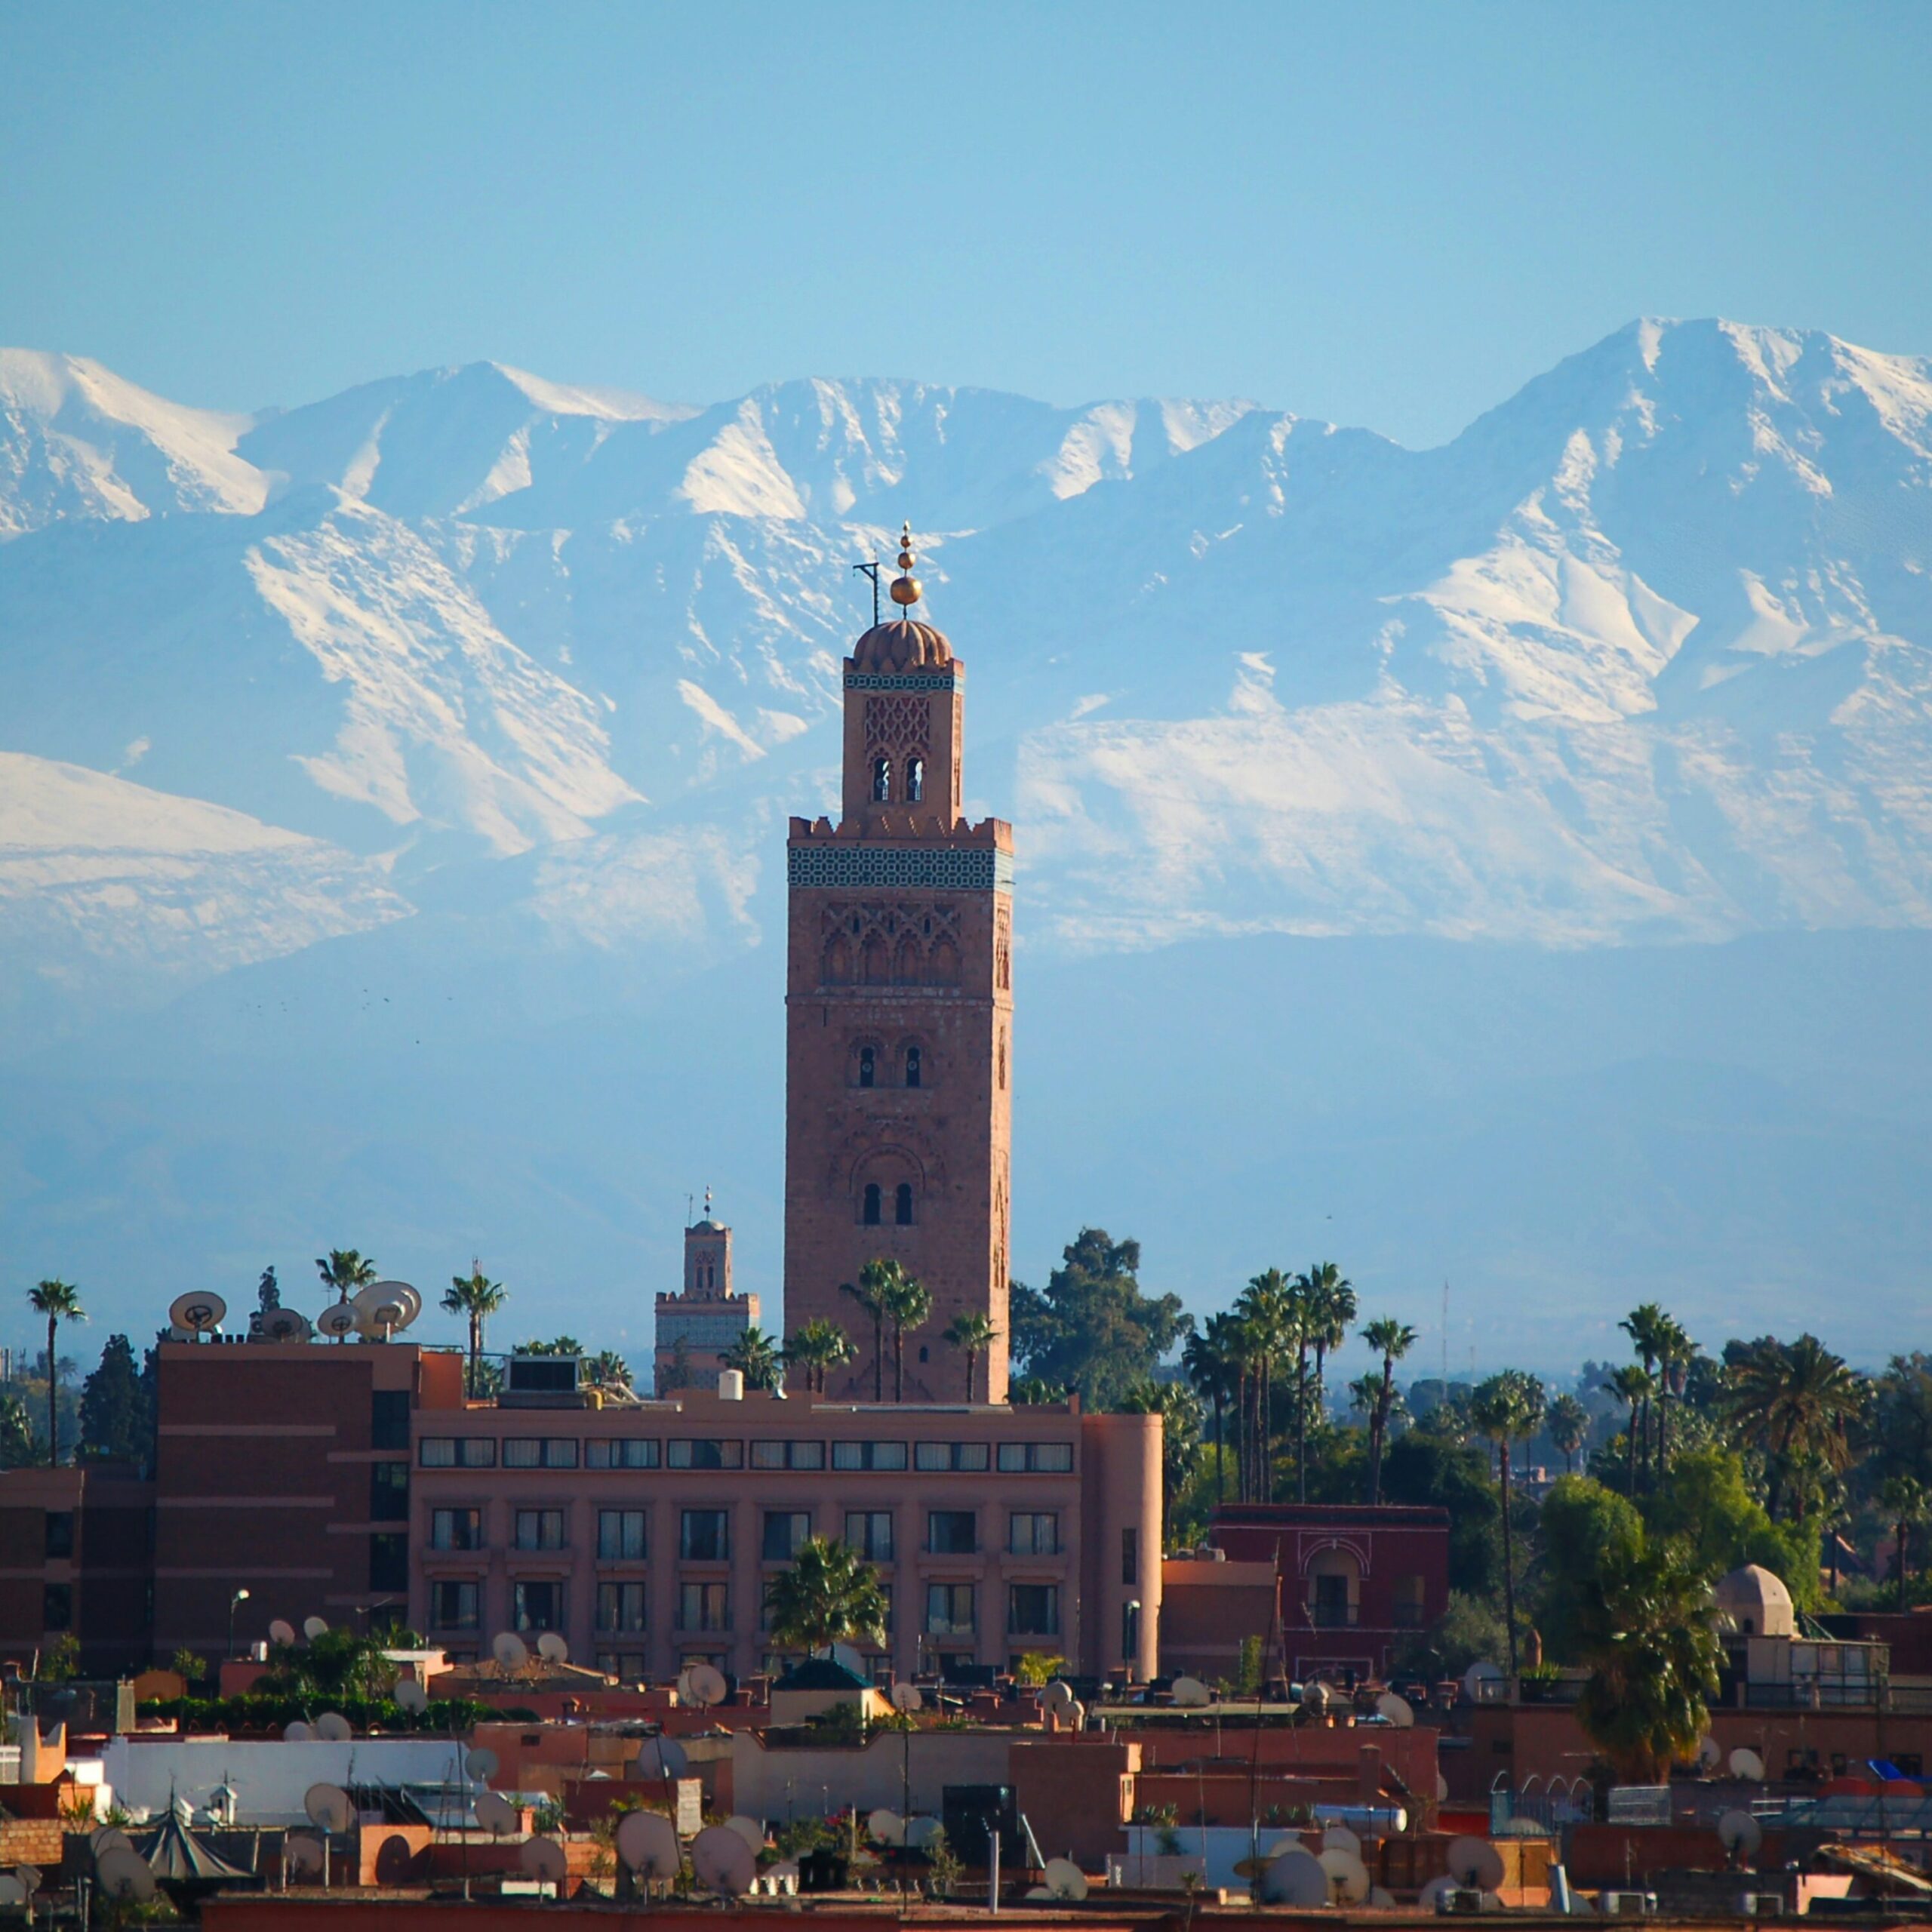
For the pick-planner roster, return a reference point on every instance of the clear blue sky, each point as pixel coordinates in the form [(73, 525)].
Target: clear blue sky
[(1388, 216)]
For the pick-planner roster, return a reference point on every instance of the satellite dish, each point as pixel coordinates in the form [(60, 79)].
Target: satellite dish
[(510, 1650), (104, 1839), (495, 1813), (1710, 1753), (1474, 1864), (1745, 1763), (1441, 1788), (908, 1697), (336, 1322), (1058, 1696), (1339, 1837), (554, 1647), (126, 1874), (302, 1853), (296, 1732), (707, 1684), (1348, 1877), (398, 1295), (1190, 1694), (1431, 1895), (411, 1697), (647, 1842), (1315, 1695), (379, 1310), (844, 1654), (481, 1763), (544, 1859), (12, 1892), (749, 1829), (281, 1631), (199, 1311), (283, 1324), (328, 1808), (313, 1627), (1739, 1832), (1379, 1900), (1477, 1675), (1295, 1877), (1065, 1880), (919, 1831), (332, 1727), (886, 1826), (29, 1878), (1396, 1710), (661, 1757), (722, 1862)]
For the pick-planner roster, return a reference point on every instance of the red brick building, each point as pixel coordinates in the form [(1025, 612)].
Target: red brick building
[(76, 1557)]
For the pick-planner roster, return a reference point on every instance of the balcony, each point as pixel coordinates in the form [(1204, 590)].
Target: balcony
[(1331, 1616)]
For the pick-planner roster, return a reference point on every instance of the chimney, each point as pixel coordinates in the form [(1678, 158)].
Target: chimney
[(730, 1385)]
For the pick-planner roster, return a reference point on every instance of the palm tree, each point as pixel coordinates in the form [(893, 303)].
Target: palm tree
[(875, 1279), (1569, 1424), (1903, 1499), (829, 1596), (1331, 1308), (1632, 1387), (59, 1301), (1675, 1352), (1391, 1340), (1794, 1403), (1179, 1408), (1506, 1408), (818, 1347), (754, 1354), (1646, 1327), (1268, 1329), (476, 1297), (345, 1270), (908, 1304), (1208, 1358), (972, 1333), (607, 1369)]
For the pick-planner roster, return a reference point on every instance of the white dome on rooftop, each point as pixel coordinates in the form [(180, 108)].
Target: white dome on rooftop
[(1756, 1604)]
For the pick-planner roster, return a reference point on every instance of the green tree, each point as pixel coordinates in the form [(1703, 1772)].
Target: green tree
[(1425, 1468), (114, 1422), (754, 1355), (1902, 1418), (1467, 1631), (817, 1348), (1580, 1524), (340, 1662), (1507, 1408), (607, 1370), (1391, 1340), (1091, 1330), (476, 1297), (973, 1334), (1632, 1386), (16, 1447), (59, 1301), (1208, 1357), (909, 1307), (346, 1269), (1903, 1500), (1329, 1306), (1706, 1503), (1568, 1422), (1268, 1313), (1793, 1403), (870, 1292), (1645, 1326), (1179, 1408), (829, 1596)]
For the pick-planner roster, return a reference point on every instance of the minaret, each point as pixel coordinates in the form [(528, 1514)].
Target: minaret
[(899, 1021)]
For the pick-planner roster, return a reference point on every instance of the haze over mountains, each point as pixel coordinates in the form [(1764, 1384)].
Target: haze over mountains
[(1521, 850)]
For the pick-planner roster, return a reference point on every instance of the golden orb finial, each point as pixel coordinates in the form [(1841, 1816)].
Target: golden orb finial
[(906, 590)]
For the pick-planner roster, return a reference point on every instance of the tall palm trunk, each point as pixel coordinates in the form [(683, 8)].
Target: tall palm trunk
[(898, 1363), (1301, 1422), (1630, 1455), (878, 1354), (1220, 1469), (476, 1348), (1509, 1560), (1267, 1428), (53, 1395)]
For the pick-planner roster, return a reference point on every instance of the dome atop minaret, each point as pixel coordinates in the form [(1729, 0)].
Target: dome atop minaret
[(903, 644)]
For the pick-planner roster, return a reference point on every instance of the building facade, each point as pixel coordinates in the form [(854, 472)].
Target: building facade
[(899, 1019), (76, 1560), (705, 1317)]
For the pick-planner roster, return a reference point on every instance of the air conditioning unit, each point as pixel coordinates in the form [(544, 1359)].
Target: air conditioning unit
[(1461, 1900), (1628, 1905), (1761, 1905)]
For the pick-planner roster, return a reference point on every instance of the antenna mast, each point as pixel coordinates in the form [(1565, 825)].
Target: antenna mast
[(1445, 1338), (871, 570)]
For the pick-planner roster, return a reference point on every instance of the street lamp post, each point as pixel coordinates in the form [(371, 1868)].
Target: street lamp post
[(235, 1602)]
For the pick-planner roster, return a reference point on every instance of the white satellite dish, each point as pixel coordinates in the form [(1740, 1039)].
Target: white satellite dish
[(495, 1813), (1477, 1675), (647, 1842), (1058, 1696), (1339, 1837), (332, 1727), (199, 1311), (749, 1829), (707, 1684), (398, 1295), (12, 1892), (553, 1646), (1396, 1710), (296, 1732), (1190, 1694), (920, 1831), (313, 1627), (29, 1878), (661, 1757), (301, 1853), (545, 1859), (1745, 1763), (509, 1650), (1738, 1832), (1431, 1895), (1065, 1880), (283, 1324), (104, 1839), (1474, 1864), (328, 1808), (908, 1697), (125, 1875), (1295, 1877), (1379, 1900), (1348, 1877), (1441, 1788), (282, 1631), (722, 1862), (411, 1697), (481, 1763), (885, 1826), (336, 1322), (1710, 1753)]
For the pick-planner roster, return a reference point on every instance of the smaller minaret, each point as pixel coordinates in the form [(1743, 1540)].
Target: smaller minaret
[(696, 1325)]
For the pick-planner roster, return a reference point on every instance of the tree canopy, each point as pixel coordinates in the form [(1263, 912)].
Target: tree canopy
[(1092, 1330)]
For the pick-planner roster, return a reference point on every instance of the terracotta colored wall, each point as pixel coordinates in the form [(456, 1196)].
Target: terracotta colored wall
[(1077, 1793)]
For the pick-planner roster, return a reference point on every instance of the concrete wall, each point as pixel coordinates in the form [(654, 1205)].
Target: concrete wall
[(270, 1779), (782, 1784)]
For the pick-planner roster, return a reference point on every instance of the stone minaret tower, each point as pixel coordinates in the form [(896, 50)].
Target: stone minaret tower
[(899, 1022)]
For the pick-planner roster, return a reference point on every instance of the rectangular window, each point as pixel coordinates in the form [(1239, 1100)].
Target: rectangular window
[(629, 1453), (1032, 1610), (57, 1607), (389, 1419), (388, 1562), (477, 1452), (870, 1532), (621, 1536), (455, 1529), (703, 1453), (540, 1529), (1033, 1533), (704, 1607), (704, 1536), (785, 1531), (970, 1457), (523, 1452), (388, 1492), (560, 1452), (437, 1452), (787, 1455), (869, 1455), (59, 1534), (454, 1606), (1036, 1458), (538, 1604), (1407, 1603), (951, 1532), (1129, 1555), (620, 1606), (949, 1610)]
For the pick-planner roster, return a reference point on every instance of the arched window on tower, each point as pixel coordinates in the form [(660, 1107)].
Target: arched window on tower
[(902, 1205), (913, 1068), (868, 1067), (915, 780), (868, 1211), (882, 781)]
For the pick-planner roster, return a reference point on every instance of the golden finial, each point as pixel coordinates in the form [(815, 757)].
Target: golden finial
[(906, 587)]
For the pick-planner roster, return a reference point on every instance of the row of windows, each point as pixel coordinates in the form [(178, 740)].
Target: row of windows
[(915, 780), (913, 1064), (704, 1536), (561, 1452)]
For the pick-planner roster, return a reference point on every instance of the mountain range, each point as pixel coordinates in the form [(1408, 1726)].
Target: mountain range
[(486, 697)]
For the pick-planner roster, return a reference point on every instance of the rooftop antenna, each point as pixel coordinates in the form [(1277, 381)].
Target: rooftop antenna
[(1445, 1338), (871, 570), (707, 1200)]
